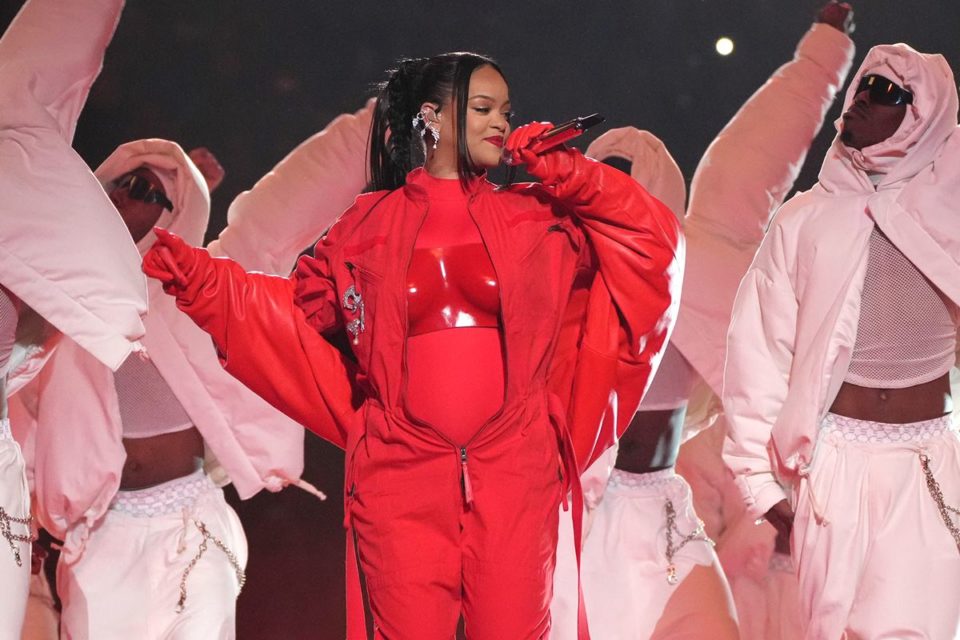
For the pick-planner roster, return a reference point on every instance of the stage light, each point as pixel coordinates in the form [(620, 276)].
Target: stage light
[(724, 46)]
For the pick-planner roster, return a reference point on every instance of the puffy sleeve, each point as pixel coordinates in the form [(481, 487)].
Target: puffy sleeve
[(54, 50), (637, 249), (760, 351), (267, 330), (50, 55), (264, 340), (751, 165), (740, 182), (299, 199)]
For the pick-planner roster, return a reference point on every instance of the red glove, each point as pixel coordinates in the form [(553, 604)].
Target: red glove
[(169, 260), (544, 166)]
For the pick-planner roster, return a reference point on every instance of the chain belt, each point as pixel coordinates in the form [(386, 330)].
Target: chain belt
[(672, 550), (946, 511), (209, 537), (6, 520)]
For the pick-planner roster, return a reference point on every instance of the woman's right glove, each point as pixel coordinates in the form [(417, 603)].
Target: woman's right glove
[(546, 166), (170, 260)]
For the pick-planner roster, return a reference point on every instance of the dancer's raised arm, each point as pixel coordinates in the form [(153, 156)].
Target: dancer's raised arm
[(54, 51)]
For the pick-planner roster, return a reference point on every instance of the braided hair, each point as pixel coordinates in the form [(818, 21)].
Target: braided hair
[(395, 146)]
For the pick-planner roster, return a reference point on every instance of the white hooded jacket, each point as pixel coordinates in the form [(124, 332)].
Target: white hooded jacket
[(79, 449), (742, 178), (796, 314), (64, 251)]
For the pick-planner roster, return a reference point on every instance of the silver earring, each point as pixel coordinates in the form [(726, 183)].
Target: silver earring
[(434, 129), (418, 123), (421, 126)]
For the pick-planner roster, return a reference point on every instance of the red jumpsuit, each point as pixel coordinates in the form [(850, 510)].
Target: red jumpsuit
[(444, 526)]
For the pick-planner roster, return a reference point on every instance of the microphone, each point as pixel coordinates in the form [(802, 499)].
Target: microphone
[(564, 132), (552, 138)]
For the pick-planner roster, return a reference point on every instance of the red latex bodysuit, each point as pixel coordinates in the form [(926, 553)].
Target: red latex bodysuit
[(454, 354)]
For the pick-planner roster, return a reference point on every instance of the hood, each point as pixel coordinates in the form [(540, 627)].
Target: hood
[(182, 181), (650, 164), (927, 124)]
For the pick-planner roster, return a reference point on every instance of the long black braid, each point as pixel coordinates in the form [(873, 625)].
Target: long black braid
[(394, 149)]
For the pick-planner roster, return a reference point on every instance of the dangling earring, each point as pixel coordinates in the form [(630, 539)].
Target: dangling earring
[(434, 129), (421, 126)]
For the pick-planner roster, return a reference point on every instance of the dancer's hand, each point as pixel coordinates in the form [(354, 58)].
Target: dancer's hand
[(210, 168), (838, 15), (516, 151), (169, 260), (781, 517)]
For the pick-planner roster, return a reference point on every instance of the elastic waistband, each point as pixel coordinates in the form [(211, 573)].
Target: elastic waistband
[(651, 483), (162, 499), (5, 433), (870, 431)]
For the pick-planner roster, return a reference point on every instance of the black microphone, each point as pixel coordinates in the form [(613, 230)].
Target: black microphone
[(553, 137), (564, 132)]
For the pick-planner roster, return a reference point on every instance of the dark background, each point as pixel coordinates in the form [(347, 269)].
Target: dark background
[(250, 79)]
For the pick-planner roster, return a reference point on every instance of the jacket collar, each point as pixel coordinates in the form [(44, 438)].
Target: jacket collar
[(417, 183)]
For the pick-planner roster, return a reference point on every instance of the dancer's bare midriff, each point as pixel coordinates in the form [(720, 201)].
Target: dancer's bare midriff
[(897, 406), (158, 459)]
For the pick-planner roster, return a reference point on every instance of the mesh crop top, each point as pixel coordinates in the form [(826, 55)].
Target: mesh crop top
[(907, 334), (147, 405)]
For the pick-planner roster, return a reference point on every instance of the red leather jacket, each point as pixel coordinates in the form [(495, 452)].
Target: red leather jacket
[(588, 265)]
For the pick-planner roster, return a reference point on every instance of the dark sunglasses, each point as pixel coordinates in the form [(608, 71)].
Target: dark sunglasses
[(139, 188), (883, 91)]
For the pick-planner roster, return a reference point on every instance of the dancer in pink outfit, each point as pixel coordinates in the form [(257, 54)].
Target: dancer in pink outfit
[(843, 337), (79, 280), (147, 426), (649, 569), (174, 408)]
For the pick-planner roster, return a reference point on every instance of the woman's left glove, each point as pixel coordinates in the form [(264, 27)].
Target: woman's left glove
[(548, 166)]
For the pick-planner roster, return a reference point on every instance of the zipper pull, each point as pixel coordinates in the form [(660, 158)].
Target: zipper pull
[(467, 487)]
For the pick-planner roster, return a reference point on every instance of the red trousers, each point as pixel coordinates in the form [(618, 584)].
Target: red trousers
[(431, 548)]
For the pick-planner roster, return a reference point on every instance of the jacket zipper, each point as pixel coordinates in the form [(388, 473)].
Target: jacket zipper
[(467, 487)]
